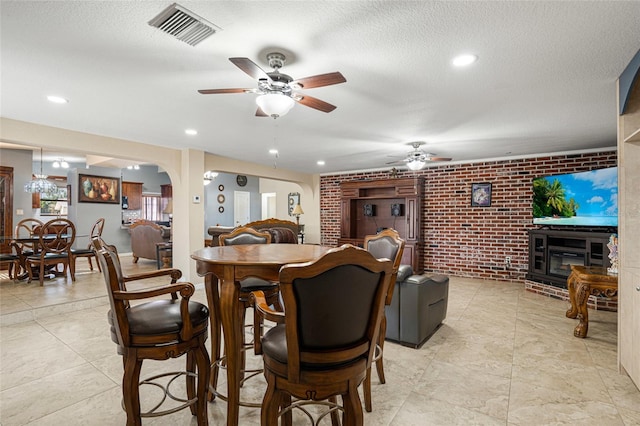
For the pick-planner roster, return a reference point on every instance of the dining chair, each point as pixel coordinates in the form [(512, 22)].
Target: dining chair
[(386, 244), (13, 264), (323, 345), (242, 236), (145, 327), (96, 231), (55, 239), (25, 238)]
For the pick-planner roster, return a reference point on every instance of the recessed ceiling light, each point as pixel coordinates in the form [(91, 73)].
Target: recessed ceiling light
[(191, 132), (57, 99), (464, 60), (320, 163), (273, 151)]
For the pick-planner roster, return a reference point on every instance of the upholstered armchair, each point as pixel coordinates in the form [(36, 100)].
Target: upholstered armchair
[(144, 237)]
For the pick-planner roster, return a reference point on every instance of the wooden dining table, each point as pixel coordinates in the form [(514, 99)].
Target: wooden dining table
[(222, 268), (33, 240)]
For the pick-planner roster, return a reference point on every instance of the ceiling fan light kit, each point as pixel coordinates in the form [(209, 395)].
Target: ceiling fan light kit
[(275, 104), (415, 165), (276, 89), (417, 159)]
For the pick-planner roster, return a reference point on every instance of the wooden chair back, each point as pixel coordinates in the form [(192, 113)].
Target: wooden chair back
[(57, 237), (386, 244), (27, 228), (244, 235), (333, 308)]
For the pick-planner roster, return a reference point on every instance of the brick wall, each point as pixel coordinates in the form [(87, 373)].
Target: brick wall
[(471, 241)]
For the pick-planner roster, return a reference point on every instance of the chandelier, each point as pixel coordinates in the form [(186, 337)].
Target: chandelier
[(40, 184)]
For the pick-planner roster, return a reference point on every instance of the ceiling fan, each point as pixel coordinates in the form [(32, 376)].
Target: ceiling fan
[(416, 159), (276, 90)]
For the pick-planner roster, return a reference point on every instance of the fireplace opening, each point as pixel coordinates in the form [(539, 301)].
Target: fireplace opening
[(560, 262)]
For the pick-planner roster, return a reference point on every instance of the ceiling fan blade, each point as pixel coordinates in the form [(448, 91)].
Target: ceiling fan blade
[(437, 159), (260, 113), (216, 91), (251, 68), (319, 80), (316, 103), (395, 162)]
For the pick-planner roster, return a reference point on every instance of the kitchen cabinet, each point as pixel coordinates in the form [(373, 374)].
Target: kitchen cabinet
[(133, 192)]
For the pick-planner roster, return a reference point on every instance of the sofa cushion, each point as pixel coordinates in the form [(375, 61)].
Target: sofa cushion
[(281, 235)]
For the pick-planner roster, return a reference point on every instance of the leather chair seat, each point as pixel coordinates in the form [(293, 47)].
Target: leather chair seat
[(81, 251), (255, 283), (160, 317), (48, 256), (274, 344)]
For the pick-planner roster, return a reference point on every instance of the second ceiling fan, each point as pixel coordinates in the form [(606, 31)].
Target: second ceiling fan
[(417, 159), (277, 90)]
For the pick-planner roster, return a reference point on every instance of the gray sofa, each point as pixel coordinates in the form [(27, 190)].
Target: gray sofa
[(418, 307)]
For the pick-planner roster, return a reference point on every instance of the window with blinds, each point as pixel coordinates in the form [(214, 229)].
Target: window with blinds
[(151, 207)]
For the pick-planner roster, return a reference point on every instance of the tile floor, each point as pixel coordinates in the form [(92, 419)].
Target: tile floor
[(502, 357)]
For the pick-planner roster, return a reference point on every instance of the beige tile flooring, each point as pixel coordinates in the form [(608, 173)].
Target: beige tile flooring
[(503, 357)]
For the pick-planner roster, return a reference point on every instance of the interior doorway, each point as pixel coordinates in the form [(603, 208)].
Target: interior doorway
[(268, 205), (241, 207), (6, 206)]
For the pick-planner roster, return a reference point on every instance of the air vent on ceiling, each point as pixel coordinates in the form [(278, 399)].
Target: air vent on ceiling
[(183, 24)]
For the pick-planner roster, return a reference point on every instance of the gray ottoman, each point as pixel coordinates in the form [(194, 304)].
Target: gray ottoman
[(418, 307)]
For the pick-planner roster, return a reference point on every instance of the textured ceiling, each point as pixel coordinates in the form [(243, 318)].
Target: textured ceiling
[(544, 82)]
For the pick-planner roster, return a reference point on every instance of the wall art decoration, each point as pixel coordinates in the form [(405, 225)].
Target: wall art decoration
[(480, 194), (98, 189)]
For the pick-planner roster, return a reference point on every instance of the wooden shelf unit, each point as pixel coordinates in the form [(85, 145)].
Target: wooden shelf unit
[(381, 194)]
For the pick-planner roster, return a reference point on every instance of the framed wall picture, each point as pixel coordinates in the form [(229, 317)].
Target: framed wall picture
[(480, 194), (98, 189), (293, 200)]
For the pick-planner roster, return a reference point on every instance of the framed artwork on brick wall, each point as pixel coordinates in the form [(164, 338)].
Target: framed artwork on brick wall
[(480, 194)]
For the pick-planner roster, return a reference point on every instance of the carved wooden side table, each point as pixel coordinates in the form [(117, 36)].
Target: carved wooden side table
[(584, 281)]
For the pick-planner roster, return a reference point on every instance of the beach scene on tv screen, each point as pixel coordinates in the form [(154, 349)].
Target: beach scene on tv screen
[(584, 199)]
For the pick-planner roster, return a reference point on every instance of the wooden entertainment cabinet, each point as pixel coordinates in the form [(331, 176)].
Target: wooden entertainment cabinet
[(368, 206), (553, 251)]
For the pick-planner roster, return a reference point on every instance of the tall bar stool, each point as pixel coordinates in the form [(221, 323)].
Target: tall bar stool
[(159, 330), (242, 236), (386, 244)]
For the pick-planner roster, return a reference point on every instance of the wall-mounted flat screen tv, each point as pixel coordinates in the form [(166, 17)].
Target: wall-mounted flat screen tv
[(578, 199)]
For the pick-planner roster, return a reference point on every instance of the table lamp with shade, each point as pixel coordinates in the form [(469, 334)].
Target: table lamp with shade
[(297, 211)]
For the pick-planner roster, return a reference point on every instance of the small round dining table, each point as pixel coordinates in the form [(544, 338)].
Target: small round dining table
[(223, 267)]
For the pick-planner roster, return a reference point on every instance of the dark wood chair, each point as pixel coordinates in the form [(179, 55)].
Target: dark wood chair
[(96, 231), (323, 345), (54, 248), (13, 264), (240, 236), (25, 239), (158, 330), (387, 244)]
